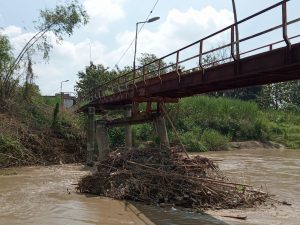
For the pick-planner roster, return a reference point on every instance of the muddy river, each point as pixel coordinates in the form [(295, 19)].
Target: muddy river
[(46, 195)]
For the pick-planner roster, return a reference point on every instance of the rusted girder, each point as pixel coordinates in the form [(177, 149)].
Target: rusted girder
[(135, 119)]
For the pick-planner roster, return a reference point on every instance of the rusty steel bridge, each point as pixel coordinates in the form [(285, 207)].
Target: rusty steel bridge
[(190, 74)]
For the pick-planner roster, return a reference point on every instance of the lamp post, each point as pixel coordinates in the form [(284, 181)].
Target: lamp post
[(236, 29), (128, 113), (61, 94), (136, 35)]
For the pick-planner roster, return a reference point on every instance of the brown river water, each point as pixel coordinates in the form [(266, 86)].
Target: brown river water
[(46, 195)]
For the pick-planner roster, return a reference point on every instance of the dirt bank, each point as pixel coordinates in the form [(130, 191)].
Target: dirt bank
[(28, 141), (255, 145)]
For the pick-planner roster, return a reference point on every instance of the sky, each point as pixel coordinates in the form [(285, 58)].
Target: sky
[(112, 28)]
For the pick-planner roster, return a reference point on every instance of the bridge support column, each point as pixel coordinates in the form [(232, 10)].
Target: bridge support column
[(102, 142), (128, 131), (90, 136), (161, 128)]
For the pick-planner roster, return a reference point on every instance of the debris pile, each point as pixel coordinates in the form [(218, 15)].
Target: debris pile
[(166, 176)]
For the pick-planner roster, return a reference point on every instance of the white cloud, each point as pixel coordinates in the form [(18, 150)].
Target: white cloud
[(109, 9), (17, 37), (12, 31), (179, 29), (104, 12), (66, 60)]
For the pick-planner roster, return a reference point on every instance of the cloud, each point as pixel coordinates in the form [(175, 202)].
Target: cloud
[(12, 31), (179, 29), (66, 60), (104, 12)]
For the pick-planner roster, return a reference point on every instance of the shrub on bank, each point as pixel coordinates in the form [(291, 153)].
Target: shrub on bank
[(31, 135), (8, 145), (10, 149), (213, 140), (208, 123)]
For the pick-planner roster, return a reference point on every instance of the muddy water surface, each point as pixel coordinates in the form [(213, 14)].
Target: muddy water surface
[(46, 195), (278, 171)]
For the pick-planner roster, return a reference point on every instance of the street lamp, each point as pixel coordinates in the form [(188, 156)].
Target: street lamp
[(236, 29), (136, 35), (61, 94)]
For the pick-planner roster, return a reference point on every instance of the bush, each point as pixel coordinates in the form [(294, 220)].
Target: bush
[(213, 140), (8, 145), (9, 149), (232, 118), (191, 141), (143, 132), (116, 136)]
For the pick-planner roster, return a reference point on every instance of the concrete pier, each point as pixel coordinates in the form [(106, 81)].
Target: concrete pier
[(102, 141), (90, 135), (128, 131), (161, 128)]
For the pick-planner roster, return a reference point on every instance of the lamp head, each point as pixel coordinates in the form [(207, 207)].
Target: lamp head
[(153, 19)]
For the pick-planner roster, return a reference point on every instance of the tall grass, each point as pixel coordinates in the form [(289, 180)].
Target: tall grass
[(211, 118), (285, 127), (208, 123)]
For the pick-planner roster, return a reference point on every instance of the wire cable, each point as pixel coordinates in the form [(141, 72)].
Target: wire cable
[(130, 45)]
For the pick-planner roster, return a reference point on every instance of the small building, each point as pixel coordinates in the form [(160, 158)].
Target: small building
[(68, 99)]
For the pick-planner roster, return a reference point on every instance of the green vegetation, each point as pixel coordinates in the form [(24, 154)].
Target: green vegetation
[(93, 76), (210, 123), (31, 134), (61, 21), (8, 172), (284, 127), (9, 149), (33, 130)]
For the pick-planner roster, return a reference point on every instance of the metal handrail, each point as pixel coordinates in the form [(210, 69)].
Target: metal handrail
[(129, 81)]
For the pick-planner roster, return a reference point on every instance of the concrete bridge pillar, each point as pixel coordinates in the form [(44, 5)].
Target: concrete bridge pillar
[(102, 141), (128, 131), (90, 135), (161, 128)]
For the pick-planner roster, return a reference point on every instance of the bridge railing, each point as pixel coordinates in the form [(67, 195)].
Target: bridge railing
[(205, 58)]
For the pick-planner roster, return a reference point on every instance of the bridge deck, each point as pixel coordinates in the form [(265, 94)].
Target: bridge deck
[(168, 83), (274, 66)]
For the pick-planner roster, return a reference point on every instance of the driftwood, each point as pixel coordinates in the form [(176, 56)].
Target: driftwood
[(238, 217), (166, 176)]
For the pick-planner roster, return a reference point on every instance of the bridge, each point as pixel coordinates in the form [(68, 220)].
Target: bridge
[(196, 69)]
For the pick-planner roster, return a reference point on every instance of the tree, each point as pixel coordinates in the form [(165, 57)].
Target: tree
[(222, 56), (281, 96), (61, 21), (153, 68), (92, 77), (6, 59), (246, 94)]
